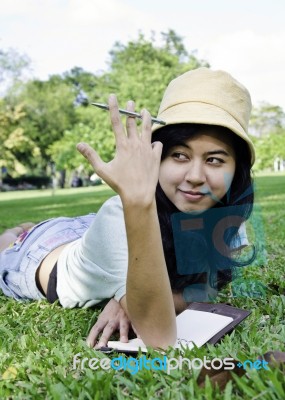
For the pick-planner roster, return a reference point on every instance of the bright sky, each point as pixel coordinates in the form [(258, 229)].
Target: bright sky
[(243, 37)]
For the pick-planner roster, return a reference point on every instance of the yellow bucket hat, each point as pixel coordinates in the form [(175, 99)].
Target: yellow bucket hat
[(204, 96)]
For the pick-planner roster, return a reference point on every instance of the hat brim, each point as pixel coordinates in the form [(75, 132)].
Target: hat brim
[(203, 113)]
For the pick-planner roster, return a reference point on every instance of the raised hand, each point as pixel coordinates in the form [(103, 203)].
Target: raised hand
[(133, 173)]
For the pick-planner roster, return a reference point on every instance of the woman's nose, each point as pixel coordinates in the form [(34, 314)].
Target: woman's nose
[(195, 173)]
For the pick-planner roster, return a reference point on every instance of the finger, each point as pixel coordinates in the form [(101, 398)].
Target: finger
[(94, 333), (157, 150), (110, 328), (146, 126), (116, 121), (124, 330), (131, 121), (90, 154)]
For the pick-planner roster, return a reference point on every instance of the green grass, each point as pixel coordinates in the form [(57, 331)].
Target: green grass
[(38, 340), (35, 206)]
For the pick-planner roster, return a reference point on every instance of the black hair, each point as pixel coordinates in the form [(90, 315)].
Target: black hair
[(240, 193)]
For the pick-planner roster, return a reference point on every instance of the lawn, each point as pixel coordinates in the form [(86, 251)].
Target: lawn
[(38, 340)]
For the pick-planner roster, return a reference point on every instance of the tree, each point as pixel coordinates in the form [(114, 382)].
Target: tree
[(266, 118), (139, 70), (49, 112), (142, 69), (267, 129), (268, 148), (55, 114), (14, 67), (15, 145)]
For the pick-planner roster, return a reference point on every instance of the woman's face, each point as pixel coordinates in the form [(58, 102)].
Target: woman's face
[(196, 174)]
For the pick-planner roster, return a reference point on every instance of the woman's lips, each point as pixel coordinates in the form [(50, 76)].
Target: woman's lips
[(192, 195)]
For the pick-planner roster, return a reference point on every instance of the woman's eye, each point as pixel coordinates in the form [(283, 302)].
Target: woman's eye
[(215, 160), (179, 156)]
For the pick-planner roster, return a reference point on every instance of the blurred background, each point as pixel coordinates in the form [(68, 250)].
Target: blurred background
[(57, 56)]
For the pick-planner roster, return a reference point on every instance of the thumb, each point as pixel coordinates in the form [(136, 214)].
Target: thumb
[(90, 154)]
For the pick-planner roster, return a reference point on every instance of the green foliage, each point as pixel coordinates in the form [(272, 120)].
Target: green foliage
[(100, 136), (266, 119), (15, 144), (52, 120), (139, 71), (267, 128), (80, 79), (12, 66), (268, 148), (41, 121), (49, 111)]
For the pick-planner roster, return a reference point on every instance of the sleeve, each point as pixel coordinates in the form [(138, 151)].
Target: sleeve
[(96, 266), (106, 242)]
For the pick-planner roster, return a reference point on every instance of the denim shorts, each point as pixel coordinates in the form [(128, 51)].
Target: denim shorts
[(20, 261)]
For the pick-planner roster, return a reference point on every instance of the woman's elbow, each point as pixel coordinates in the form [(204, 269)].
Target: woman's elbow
[(160, 340)]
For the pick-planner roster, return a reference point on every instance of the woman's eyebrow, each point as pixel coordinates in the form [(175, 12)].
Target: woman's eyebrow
[(209, 153), (218, 151)]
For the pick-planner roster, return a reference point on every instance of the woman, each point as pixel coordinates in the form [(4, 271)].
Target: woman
[(199, 161)]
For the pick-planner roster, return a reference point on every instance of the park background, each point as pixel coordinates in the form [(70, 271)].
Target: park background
[(55, 58)]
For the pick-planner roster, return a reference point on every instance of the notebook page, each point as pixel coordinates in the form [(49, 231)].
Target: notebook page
[(199, 327)]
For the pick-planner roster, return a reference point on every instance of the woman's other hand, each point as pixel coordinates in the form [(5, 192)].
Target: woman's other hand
[(113, 318)]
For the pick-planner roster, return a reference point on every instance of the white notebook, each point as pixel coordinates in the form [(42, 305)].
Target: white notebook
[(192, 327)]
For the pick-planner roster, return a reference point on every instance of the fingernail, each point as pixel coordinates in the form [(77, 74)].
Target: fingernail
[(79, 146)]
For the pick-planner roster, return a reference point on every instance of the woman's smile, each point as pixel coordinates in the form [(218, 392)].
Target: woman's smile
[(197, 173), (192, 195)]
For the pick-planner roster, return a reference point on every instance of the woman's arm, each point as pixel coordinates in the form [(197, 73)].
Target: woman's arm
[(148, 300), (133, 174)]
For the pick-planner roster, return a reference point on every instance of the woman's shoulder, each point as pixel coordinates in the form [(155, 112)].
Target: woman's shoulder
[(111, 209), (112, 204), (110, 217)]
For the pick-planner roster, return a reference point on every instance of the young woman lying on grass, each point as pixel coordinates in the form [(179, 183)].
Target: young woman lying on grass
[(201, 159)]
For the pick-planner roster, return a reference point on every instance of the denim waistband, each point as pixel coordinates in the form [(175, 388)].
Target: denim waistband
[(19, 262)]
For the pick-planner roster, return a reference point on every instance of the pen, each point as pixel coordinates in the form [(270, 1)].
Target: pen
[(129, 113)]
